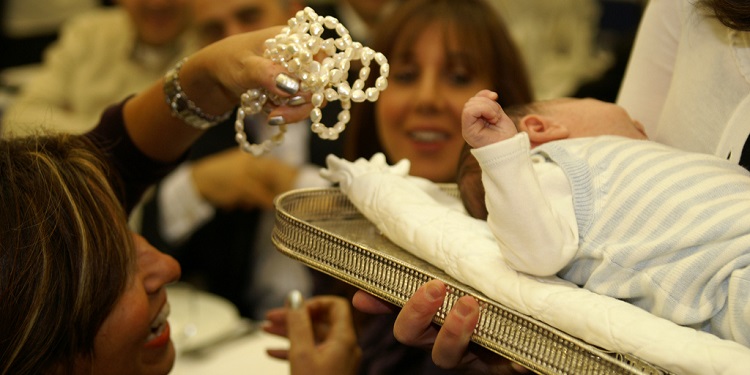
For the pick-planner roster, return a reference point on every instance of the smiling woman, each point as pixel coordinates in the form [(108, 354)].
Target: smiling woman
[(59, 193), (80, 293), (441, 53)]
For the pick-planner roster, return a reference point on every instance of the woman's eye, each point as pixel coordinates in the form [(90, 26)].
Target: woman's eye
[(403, 74), (405, 77), (211, 32), (249, 17), (460, 77)]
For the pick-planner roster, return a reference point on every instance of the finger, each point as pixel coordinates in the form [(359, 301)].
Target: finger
[(255, 72), (414, 323), (519, 369), (488, 94), (275, 322), (291, 114), (298, 325), (257, 195), (367, 303), (267, 109), (337, 314), (263, 34), (275, 330), (278, 353), (455, 335)]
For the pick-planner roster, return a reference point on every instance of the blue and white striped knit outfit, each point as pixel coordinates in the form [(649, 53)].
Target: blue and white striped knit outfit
[(666, 230)]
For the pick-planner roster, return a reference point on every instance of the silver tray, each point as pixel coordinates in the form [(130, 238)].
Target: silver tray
[(321, 228)]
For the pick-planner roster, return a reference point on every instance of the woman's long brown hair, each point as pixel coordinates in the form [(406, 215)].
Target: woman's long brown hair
[(65, 252)]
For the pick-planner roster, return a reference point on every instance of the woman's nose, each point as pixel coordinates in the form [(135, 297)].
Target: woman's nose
[(427, 95), (165, 271), (156, 268), (234, 27)]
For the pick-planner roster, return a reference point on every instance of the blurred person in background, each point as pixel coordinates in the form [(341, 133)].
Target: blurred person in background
[(28, 27), (558, 41), (361, 17), (100, 57)]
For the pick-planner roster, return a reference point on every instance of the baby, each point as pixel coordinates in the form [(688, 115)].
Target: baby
[(572, 187)]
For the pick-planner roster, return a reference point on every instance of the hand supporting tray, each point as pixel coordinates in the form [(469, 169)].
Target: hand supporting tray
[(322, 229)]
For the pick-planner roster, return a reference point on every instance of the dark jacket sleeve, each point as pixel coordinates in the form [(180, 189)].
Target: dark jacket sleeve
[(132, 172)]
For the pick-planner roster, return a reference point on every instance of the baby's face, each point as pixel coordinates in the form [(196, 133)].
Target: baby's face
[(591, 117)]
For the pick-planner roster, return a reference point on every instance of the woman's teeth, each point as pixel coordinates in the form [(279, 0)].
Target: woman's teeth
[(159, 323), (428, 136)]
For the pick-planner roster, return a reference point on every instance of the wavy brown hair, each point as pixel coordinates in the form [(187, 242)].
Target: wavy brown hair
[(65, 252), (479, 28), (734, 14)]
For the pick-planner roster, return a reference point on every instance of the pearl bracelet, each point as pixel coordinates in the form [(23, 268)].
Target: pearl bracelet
[(182, 107), (294, 48)]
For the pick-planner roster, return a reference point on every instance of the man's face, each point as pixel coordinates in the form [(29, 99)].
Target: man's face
[(217, 19), (158, 22)]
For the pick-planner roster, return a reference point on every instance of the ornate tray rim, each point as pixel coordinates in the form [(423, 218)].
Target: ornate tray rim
[(523, 339)]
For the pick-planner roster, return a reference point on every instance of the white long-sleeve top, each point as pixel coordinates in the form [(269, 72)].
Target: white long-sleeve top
[(530, 205), (688, 80)]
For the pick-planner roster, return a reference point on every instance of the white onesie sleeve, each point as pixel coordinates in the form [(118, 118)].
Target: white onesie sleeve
[(534, 224)]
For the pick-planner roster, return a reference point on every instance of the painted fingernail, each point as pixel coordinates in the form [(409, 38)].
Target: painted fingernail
[(294, 300), (296, 100), (286, 83), (276, 121)]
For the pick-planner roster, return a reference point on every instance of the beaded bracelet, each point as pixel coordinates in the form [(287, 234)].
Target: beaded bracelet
[(182, 107)]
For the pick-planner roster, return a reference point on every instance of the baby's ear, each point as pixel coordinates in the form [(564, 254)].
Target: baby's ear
[(542, 129)]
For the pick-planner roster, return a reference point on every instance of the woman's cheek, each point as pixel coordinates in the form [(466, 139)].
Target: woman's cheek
[(390, 117), (391, 104)]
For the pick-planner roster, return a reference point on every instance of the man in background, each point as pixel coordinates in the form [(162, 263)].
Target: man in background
[(215, 213)]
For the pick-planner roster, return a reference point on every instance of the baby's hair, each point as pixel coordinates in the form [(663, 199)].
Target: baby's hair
[(518, 111)]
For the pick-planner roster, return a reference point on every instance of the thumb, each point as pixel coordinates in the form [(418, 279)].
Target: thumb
[(298, 325)]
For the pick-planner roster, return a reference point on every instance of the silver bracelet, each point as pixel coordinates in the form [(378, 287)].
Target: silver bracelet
[(182, 107)]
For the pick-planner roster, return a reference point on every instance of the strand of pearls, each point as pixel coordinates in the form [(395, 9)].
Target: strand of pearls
[(295, 48), (252, 102)]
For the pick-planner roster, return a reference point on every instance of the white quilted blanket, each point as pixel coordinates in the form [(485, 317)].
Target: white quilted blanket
[(416, 215)]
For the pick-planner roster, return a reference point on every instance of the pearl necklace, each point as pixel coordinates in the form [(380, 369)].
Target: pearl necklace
[(294, 48)]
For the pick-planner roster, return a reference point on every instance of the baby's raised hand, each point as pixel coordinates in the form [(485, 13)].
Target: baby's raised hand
[(483, 121)]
